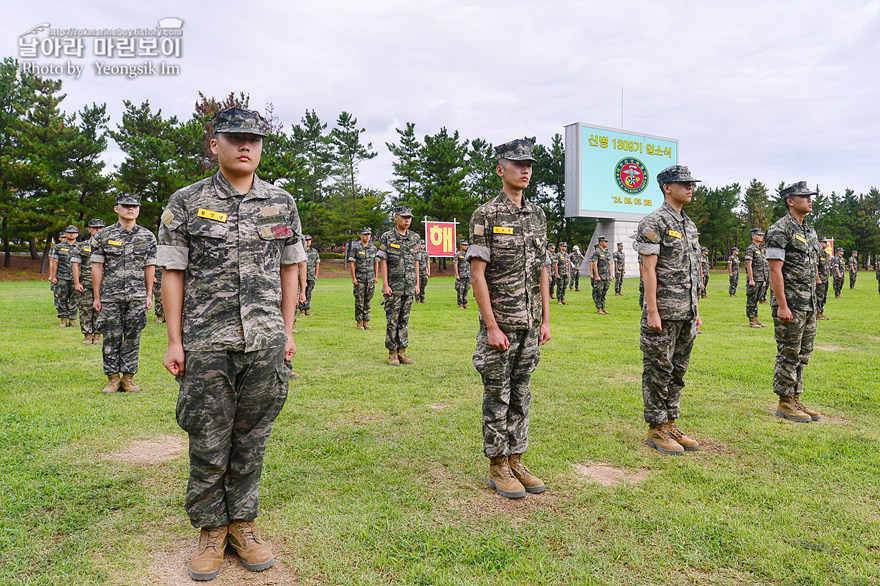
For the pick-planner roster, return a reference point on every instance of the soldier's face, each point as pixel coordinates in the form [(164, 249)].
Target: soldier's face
[(403, 222), (237, 153), (757, 238), (515, 175), (365, 239), (94, 231), (681, 193), (603, 245), (127, 212), (802, 204)]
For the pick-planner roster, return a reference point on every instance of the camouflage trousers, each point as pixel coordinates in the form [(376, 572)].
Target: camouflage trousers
[(821, 295), (852, 279), (734, 282), (665, 360), (397, 308), (600, 290), (158, 308), (227, 404), (641, 292), (705, 285), (563, 285), (753, 297), (65, 299), (463, 287), (618, 282), (506, 394), (310, 286), (87, 314), (575, 282), (363, 295), (552, 284), (838, 286), (794, 345), (423, 282), (121, 322)]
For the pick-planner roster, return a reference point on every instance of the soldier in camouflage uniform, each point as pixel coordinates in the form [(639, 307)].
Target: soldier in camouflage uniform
[(424, 272), (733, 270), (793, 252), (61, 275), (158, 308), (509, 262), (853, 268), (551, 250), (364, 268), (600, 268), (399, 266), (82, 282), (619, 269), (563, 272), (822, 283), (231, 247), (838, 269), (877, 271), (704, 272), (668, 244), (123, 267), (313, 268), (756, 277), (462, 270), (576, 259)]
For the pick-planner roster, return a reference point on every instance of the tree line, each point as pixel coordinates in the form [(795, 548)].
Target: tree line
[(52, 174)]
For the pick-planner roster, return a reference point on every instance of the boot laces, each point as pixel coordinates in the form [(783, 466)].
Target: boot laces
[(248, 531), (212, 540)]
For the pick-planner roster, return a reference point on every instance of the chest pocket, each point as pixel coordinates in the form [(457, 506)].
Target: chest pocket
[(205, 228), (113, 249)]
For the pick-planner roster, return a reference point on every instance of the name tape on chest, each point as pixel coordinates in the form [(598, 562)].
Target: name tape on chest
[(675, 234), (211, 215), (87, 249), (362, 253), (502, 230), (115, 243), (392, 245), (63, 249), (801, 238)]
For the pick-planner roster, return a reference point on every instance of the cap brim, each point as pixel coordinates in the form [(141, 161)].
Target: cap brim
[(521, 158), (240, 130)]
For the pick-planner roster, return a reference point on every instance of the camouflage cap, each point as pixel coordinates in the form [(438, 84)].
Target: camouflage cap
[(620, 243), (734, 248), (306, 237), (602, 239), (565, 244), (838, 250), (72, 228), (855, 251), (61, 235), (239, 120), (675, 174), (704, 249), (824, 239), (551, 245), (516, 150), (798, 189), (127, 199), (97, 223), (403, 211), (366, 230), (756, 232), (462, 242)]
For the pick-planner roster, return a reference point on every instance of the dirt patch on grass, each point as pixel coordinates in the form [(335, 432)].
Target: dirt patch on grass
[(833, 419), (171, 568), (709, 445), (830, 348), (144, 452), (608, 475), (627, 377), (439, 406), (360, 419), (488, 503)]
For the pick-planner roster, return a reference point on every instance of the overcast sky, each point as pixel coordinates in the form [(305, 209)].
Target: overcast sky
[(778, 91)]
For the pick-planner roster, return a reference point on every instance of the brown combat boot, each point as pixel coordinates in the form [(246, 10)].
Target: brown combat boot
[(360, 325), (821, 315), (63, 323), (71, 323), (206, 559), (367, 325), (814, 415), (128, 384), (403, 358), (392, 358), (759, 323), (788, 409), (113, 382), (87, 339), (688, 443), (753, 322), (160, 319), (661, 440), (254, 551), (530, 482), (96, 339), (501, 479)]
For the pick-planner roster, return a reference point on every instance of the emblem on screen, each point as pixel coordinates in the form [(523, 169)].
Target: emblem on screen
[(631, 175)]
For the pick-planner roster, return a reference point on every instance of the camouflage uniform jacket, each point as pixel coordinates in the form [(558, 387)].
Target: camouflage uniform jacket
[(755, 254), (63, 253), (798, 247), (464, 266), (423, 259), (125, 256), (563, 264), (401, 254), (733, 261), (853, 264), (824, 266), (364, 259), (312, 260), (673, 238), (704, 261), (619, 257), (838, 263), (513, 241), (82, 255), (232, 247), (602, 258), (576, 258)]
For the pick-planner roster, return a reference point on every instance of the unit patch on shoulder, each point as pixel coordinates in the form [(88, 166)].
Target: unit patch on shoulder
[(167, 217)]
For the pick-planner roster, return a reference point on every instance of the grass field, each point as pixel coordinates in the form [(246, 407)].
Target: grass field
[(375, 475)]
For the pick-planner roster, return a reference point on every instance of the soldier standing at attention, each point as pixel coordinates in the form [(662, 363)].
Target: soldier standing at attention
[(509, 263), (462, 274), (668, 244), (853, 269), (576, 259), (230, 245), (563, 271), (551, 248), (364, 268), (399, 267), (733, 270), (704, 271), (424, 272), (838, 267), (600, 268), (619, 269), (793, 252), (877, 271), (82, 282), (822, 282), (123, 267), (757, 280), (158, 308), (61, 275), (313, 268)]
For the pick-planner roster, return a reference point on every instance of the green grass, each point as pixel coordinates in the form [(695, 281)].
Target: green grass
[(375, 475)]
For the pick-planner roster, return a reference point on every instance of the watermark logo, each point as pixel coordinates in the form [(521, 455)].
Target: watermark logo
[(107, 52), (631, 175)]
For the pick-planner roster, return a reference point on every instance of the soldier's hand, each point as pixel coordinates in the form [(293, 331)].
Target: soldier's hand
[(545, 334), (53, 280), (751, 282), (174, 359), (375, 280), (386, 290), (417, 289), (149, 302), (79, 287), (289, 348), (354, 280), (97, 304), (654, 321), (302, 295), (699, 321), (784, 314), (498, 339)]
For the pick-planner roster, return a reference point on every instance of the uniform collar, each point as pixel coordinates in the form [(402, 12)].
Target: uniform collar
[(670, 210), (225, 189), (526, 208)]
